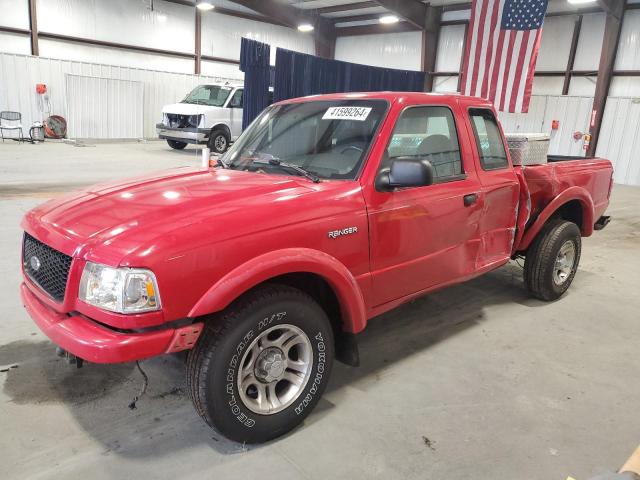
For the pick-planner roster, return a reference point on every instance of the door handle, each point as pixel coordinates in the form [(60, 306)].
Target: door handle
[(470, 199)]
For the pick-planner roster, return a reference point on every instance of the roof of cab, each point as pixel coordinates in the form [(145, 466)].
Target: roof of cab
[(391, 97)]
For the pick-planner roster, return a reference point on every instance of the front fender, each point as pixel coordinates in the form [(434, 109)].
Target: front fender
[(280, 262), (571, 193)]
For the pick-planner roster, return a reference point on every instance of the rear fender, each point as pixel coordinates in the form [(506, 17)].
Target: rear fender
[(281, 262), (572, 193)]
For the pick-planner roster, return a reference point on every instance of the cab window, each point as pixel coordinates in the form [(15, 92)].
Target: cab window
[(428, 133), (488, 139), (236, 100)]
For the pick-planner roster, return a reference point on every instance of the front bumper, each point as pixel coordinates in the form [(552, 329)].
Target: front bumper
[(96, 343), (186, 135)]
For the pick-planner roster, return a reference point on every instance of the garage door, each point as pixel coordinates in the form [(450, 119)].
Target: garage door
[(104, 107)]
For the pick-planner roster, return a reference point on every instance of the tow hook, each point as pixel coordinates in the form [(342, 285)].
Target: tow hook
[(69, 357)]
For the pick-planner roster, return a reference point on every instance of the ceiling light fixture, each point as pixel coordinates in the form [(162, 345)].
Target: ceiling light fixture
[(389, 19), (305, 27), (161, 17), (204, 5)]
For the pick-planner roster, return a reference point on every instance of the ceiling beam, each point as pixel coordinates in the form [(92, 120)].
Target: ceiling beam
[(230, 12), (612, 7), (412, 11), (248, 16), (376, 28), (356, 18), (324, 32), (345, 8), (289, 16)]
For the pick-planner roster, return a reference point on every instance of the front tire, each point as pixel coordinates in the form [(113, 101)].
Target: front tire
[(218, 141), (176, 145), (552, 260), (261, 368)]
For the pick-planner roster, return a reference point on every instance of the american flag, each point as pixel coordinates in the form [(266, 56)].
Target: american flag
[(502, 48)]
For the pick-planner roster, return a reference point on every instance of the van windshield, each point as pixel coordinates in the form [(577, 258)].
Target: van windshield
[(211, 95), (328, 139)]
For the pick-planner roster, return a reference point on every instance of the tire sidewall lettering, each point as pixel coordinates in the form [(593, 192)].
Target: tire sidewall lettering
[(232, 402), (317, 379)]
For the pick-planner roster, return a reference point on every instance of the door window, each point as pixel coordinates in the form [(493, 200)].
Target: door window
[(236, 100), (488, 139), (427, 133)]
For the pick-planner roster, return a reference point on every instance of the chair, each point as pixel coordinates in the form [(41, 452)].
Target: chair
[(11, 117)]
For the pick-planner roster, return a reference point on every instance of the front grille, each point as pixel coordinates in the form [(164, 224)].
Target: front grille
[(47, 267), (175, 120)]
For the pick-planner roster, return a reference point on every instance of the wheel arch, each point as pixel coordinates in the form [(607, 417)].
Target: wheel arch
[(221, 126), (574, 204), (306, 269)]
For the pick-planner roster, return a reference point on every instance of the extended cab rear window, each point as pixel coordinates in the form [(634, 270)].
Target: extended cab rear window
[(429, 133), (488, 139)]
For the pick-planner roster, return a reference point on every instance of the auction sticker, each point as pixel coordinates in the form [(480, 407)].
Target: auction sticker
[(359, 114)]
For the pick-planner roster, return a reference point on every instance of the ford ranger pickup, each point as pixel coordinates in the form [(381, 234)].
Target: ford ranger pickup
[(326, 212)]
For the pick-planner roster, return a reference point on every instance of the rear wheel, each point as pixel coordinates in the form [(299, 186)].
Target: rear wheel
[(176, 145), (552, 260), (218, 141), (259, 370)]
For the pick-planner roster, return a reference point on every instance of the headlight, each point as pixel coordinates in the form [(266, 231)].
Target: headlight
[(194, 120), (122, 290)]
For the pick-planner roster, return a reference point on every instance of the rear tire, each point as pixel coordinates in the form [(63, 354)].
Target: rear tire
[(552, 260), (218, 141), (176, 145), (260, 369)]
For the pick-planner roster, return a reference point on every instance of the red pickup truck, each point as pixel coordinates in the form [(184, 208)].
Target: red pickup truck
[(327, 211)]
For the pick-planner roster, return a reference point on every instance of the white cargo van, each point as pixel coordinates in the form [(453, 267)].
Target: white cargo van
[(210, 114)]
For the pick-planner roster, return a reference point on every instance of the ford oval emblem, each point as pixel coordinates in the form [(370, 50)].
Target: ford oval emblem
[(35, 263)]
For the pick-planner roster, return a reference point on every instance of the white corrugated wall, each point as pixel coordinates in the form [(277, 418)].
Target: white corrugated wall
[(389, 50), (620, 138), (104, 107), (19, 75), (573, 113)]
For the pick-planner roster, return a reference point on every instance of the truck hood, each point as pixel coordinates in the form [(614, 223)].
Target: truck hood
[(189, 109), (131, 215)]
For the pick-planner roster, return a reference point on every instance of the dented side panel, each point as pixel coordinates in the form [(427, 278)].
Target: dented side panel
[(555, 184)]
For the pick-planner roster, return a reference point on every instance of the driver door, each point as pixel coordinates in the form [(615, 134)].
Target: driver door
[(422, 237), (235, 108)]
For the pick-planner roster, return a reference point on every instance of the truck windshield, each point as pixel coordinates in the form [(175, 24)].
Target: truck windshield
[(326, 139), (211, 95)]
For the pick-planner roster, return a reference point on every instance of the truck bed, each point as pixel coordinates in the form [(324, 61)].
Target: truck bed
[(545, 182)]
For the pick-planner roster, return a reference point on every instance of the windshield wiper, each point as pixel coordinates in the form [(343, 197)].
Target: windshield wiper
[(279, 163)]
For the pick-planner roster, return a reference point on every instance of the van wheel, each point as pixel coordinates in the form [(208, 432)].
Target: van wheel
[(552, 260), (176, 145), (218, 141), (260, 369)]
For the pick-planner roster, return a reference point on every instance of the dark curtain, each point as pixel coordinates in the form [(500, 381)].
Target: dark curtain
[(299, 74), (254, 62)]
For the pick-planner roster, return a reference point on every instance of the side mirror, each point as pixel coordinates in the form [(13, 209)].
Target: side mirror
[(405, 172)]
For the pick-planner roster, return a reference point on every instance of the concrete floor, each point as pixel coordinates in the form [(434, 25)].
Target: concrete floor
[(476, 381)]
